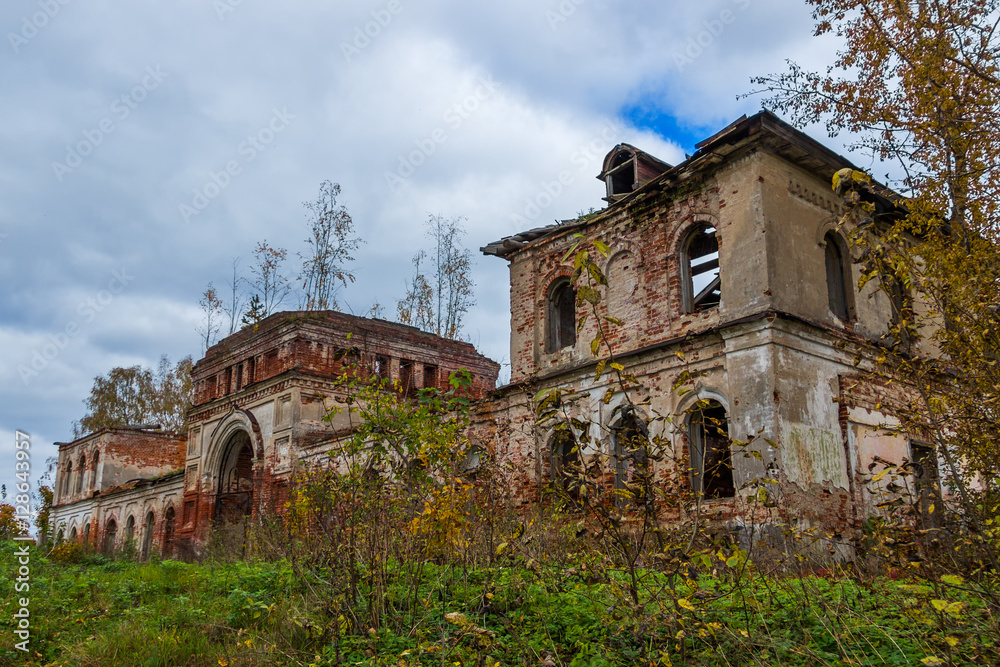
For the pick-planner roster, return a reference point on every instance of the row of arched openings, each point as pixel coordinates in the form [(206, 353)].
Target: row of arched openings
[(709, 452), (109, 540), (701, 284), (73, 478)]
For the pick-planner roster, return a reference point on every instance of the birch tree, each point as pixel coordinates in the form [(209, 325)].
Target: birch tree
[(331, 244), (439, 293)]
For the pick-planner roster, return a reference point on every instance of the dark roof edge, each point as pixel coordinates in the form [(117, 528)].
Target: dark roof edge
[(707, 155)]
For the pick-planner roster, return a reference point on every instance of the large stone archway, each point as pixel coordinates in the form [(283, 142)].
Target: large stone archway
[(235, 479)]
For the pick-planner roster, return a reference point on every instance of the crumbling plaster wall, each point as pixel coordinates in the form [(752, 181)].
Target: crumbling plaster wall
[(798, 210), (782, 352), (136, 502), (122, 455)]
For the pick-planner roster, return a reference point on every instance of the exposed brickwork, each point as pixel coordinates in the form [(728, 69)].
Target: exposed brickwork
[(771, 354)]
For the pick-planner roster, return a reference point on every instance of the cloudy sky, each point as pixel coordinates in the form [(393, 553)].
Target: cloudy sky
[(144, 145)]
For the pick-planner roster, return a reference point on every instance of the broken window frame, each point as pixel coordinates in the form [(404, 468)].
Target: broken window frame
[(709, 296), (838, 288), (716, 481), (622, 167), (561, 316)]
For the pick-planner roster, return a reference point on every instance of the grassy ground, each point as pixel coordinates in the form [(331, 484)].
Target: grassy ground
[(168, 613)]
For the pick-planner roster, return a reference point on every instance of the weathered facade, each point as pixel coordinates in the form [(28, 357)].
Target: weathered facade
[(119, 484), (259, 405), (729, 268)]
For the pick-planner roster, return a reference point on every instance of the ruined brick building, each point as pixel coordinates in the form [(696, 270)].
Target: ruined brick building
[(729, 266), (260, 396)]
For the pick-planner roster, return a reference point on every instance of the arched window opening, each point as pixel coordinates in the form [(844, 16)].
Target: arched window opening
[(168, 532), (86, 533), (110, 537), (93, 464), (147, 535), (837, 288), (711, 456), (562, 316), (72, 533), (66, 481), (565, 461), (901, 304), (700, 262), (83, 469), (130, 529), (927, 482), (631, 442)]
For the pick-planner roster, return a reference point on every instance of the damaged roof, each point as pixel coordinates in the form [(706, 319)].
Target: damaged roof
[(764, 128)]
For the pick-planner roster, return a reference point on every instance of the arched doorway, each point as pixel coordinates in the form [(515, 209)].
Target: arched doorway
[(235, 500)]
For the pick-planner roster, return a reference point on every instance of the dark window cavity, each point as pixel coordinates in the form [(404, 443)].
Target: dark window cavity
[(711, 457), (562, 316), (837, 288)]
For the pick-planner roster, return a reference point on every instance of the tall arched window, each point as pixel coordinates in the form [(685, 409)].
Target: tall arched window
[(93, 464), (168, 532), (711, 457), (631, 442), (564, 460), (83, 471), (561, 316), (700, 266), (64, 490), (110, 536), (130, 529), (837, 288), (147, 535)]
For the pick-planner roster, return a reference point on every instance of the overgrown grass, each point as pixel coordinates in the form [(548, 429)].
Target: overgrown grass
[(168, 613)]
